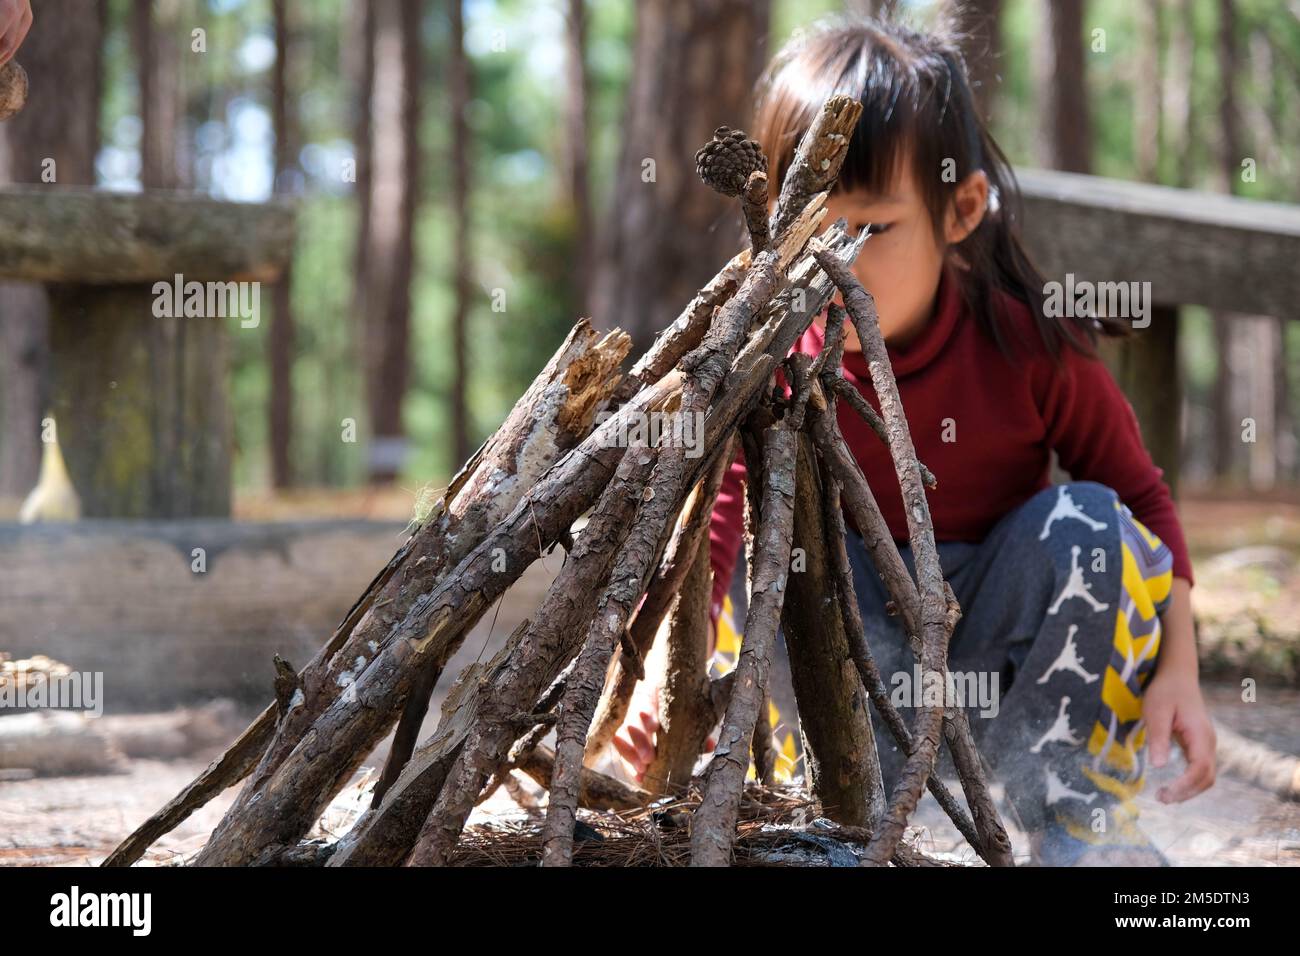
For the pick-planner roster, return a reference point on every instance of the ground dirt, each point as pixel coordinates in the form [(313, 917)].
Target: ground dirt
[(1247, 602)]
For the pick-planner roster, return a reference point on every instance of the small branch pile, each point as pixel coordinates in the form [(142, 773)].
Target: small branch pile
[(639, 562)]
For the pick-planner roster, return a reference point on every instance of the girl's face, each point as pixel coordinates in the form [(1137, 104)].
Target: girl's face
[(901, 263)]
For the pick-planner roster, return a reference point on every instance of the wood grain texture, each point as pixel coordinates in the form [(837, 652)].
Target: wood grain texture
[(1194, 248), (67, 234)]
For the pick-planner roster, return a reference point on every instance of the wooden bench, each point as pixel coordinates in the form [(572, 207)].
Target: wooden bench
[(1195, 248), (141, 399)]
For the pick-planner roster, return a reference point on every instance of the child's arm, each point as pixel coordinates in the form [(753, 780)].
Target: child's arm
[(1172, 703), (726, 531), (1092, 427), (636, 740), (1095, 432)]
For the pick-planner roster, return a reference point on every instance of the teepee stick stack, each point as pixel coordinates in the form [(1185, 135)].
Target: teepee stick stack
[(640, 560)]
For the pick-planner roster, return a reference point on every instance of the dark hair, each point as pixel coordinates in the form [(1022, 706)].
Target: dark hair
[(914, 93)]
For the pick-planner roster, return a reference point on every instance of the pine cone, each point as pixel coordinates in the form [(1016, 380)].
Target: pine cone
[(13, 89), (726, 161)]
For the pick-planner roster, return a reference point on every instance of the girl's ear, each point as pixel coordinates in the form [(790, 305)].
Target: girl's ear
[(969, 203)]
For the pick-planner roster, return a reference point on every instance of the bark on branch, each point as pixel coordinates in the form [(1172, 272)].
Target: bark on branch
[(713, 825)]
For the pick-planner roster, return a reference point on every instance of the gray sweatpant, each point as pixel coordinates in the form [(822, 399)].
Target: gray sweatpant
[(1059, 634)]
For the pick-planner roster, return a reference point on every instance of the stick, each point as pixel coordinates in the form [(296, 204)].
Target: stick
[(818, 159), (583, 692), (597, 791), (687, 331), (939, 611), (704, 369), (899, 584), (533, 738), (686, 713), (754, 205), (859, 404), (673, 570), (866, 664), (714, 822)]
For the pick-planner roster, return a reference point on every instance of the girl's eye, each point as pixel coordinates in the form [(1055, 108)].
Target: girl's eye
[(873, 228)]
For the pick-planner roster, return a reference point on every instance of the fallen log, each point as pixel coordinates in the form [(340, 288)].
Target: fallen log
[(1257, 764), (57, 743)]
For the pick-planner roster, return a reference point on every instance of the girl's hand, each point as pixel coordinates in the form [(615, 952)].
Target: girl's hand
[(15, 21), (1173, 707), (635, 741)]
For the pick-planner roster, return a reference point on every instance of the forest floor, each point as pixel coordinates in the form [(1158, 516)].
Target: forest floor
[(76, 821), (1247, 602)]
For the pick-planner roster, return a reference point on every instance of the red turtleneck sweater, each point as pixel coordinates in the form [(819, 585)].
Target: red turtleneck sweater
[(985, 426)]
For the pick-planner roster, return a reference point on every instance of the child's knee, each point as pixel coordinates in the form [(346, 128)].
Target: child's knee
[(1077, 514), (1148, 565)]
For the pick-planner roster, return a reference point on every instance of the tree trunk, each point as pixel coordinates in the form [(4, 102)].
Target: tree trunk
[(1261, 331), (155, 38), (576, 142), (1147, 93), (280, 340), (1282, 417), (1067, 128), (696, 63), (1177, 108), (1148, 368), (1226, 423), (361, 68), (394, 187), (460, 82), (53, 140)]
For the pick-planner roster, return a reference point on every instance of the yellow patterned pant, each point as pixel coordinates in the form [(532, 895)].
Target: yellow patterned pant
[(1060, 634)]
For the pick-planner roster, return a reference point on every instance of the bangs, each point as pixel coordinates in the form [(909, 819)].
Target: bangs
[(917, 108), (906, 95)]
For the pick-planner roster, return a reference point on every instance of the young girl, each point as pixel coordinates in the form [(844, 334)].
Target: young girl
[(1075, 597)]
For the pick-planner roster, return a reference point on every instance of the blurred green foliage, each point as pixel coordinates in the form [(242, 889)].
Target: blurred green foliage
[(523, 227)]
